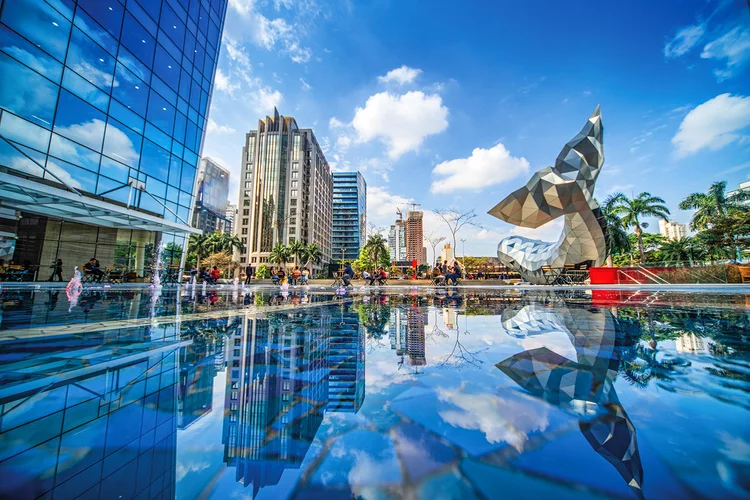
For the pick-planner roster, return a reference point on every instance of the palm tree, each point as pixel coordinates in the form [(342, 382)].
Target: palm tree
[(313, 253), (279, 254), (376, 247), (617, 235), (633, 209), (680, 250), (297, 248), (714, 203), (199, 245), (235, 242)]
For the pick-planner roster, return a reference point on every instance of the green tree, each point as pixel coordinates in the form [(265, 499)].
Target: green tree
[(297, 249), (376, 251), (681, 250), (313, 253), (198, 244), (712, 204), (263, 272), (280, 254), (616, 232), (632, 210)]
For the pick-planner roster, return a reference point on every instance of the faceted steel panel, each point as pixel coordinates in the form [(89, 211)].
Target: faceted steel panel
[(567, 189)]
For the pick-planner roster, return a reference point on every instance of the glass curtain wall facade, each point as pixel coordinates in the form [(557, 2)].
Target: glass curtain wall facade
[(349, 215), (397, 241), (103, 111), (286, 191), (211, 197)]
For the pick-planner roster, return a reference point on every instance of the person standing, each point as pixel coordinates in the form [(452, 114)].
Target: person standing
[(56, 270), (249, 272)]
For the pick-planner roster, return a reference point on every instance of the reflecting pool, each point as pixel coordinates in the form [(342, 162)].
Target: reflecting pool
[(251, 393)]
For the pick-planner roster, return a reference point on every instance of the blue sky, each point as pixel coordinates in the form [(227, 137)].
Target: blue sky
[(455, 106)]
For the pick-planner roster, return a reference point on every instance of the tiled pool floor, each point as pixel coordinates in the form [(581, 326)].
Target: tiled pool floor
[(390, 393)]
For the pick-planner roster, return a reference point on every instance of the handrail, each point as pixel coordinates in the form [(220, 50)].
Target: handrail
[(620, 271), (658, 279)]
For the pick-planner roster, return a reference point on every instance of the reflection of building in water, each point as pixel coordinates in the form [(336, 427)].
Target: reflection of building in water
[(197, 372), (450, 317), (415, 323), (346, 359), (89, 416), (284, 373), (690, 343), (397, 331)]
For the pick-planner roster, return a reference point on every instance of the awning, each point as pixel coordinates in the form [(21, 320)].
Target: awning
[(39, 198)]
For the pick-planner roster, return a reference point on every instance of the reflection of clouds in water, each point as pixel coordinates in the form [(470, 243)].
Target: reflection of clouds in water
[(735, 448), (556, 341), (501, 420), (381, 373)]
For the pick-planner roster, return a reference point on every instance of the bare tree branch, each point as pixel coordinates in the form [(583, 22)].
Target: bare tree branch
[(434, 241), (456, 220)]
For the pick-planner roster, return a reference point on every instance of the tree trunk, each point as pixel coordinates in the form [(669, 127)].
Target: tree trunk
[(639, 233), (609, 261)]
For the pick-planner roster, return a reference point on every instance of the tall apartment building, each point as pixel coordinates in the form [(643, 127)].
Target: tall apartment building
[(349, 215), (211, 197), (414, 236), (104, 106), (230, 216), (286, 190), (397, 241), (672, 230)]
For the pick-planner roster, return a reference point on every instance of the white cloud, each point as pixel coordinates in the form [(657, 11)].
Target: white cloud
[(485, 167), (264, 99), (223, 84), (219, 129), (382, 205), (685, 39), (335, 123), (305, 86), (401, 75), (713, 124), (402, 122), (733, 47)]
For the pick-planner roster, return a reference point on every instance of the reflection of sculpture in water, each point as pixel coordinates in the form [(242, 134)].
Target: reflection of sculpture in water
[(567, 189), (571, 384)]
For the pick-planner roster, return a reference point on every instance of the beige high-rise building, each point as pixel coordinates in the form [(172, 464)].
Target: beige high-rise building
[(286, 191), (672, 230), (447, 253), (414, 236)]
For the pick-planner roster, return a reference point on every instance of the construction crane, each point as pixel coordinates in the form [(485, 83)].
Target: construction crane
[(400, 215), (414, 206)]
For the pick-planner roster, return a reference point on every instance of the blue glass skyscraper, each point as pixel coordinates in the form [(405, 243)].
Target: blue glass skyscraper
[(349, 215), (103, 110)]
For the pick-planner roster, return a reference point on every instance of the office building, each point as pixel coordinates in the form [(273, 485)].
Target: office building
[(414, 237), (397, 241), (672, 230), (447, 253), (349, 211), (743, 188), (229, 218), (286, 190), (211, 197), (103, 111)]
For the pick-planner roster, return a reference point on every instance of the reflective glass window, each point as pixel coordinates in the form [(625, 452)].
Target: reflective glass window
[(177, 149), (136, 39), (114, 190), (108, 13), (188, 178), (156, 187), (130, 90), (193, 9), (163, 90), (160, 113), (90, 61), (22, 159), (173, 194), (175, 168), (154, 160), (148, 203), (190, 45), (133, 64), (28, 53), (191, 136), (172, 25), (167, 68), (151, 7), (169, 45), (142, 17), (203, 20), (27, 93), (79, 121), (24, 132), (39, 23), (85, 90), (114, 169), (126, 116), (157, 136), (122, 144), (70, 175), (86, 24), (73, 152), (185, 81), (180, 125)]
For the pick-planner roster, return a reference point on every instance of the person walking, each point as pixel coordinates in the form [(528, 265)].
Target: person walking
[(56, 270)]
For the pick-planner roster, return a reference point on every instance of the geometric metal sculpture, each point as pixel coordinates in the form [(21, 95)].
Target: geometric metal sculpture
[(584, 387), (567, 189)]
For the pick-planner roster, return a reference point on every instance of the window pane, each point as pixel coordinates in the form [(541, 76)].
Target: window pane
[(90, 61), (156, 187), (191, 137), (24, 132), (12, 158), (154, 160), (175, 169), (20, 49), (39, 23), (160, 113), (98, 34), (108, 13), (85, 90), (126, 116), (133, 64), (172, 25), (27, 94), (137, 40), (79, 121), (130, 90), (74, 153), (188, 178), (114, 169), (70, 175), (157, 136), (120, 193), (122, 143), (151, 7), (167, 68), (180, 124)]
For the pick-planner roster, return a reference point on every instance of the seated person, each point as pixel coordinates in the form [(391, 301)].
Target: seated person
[(305, 275), (455, 273), (92, 268), (368, 277), (280, 277), (437, 275), (382, 276), (215, 275), (296, 274), (348, 274)]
